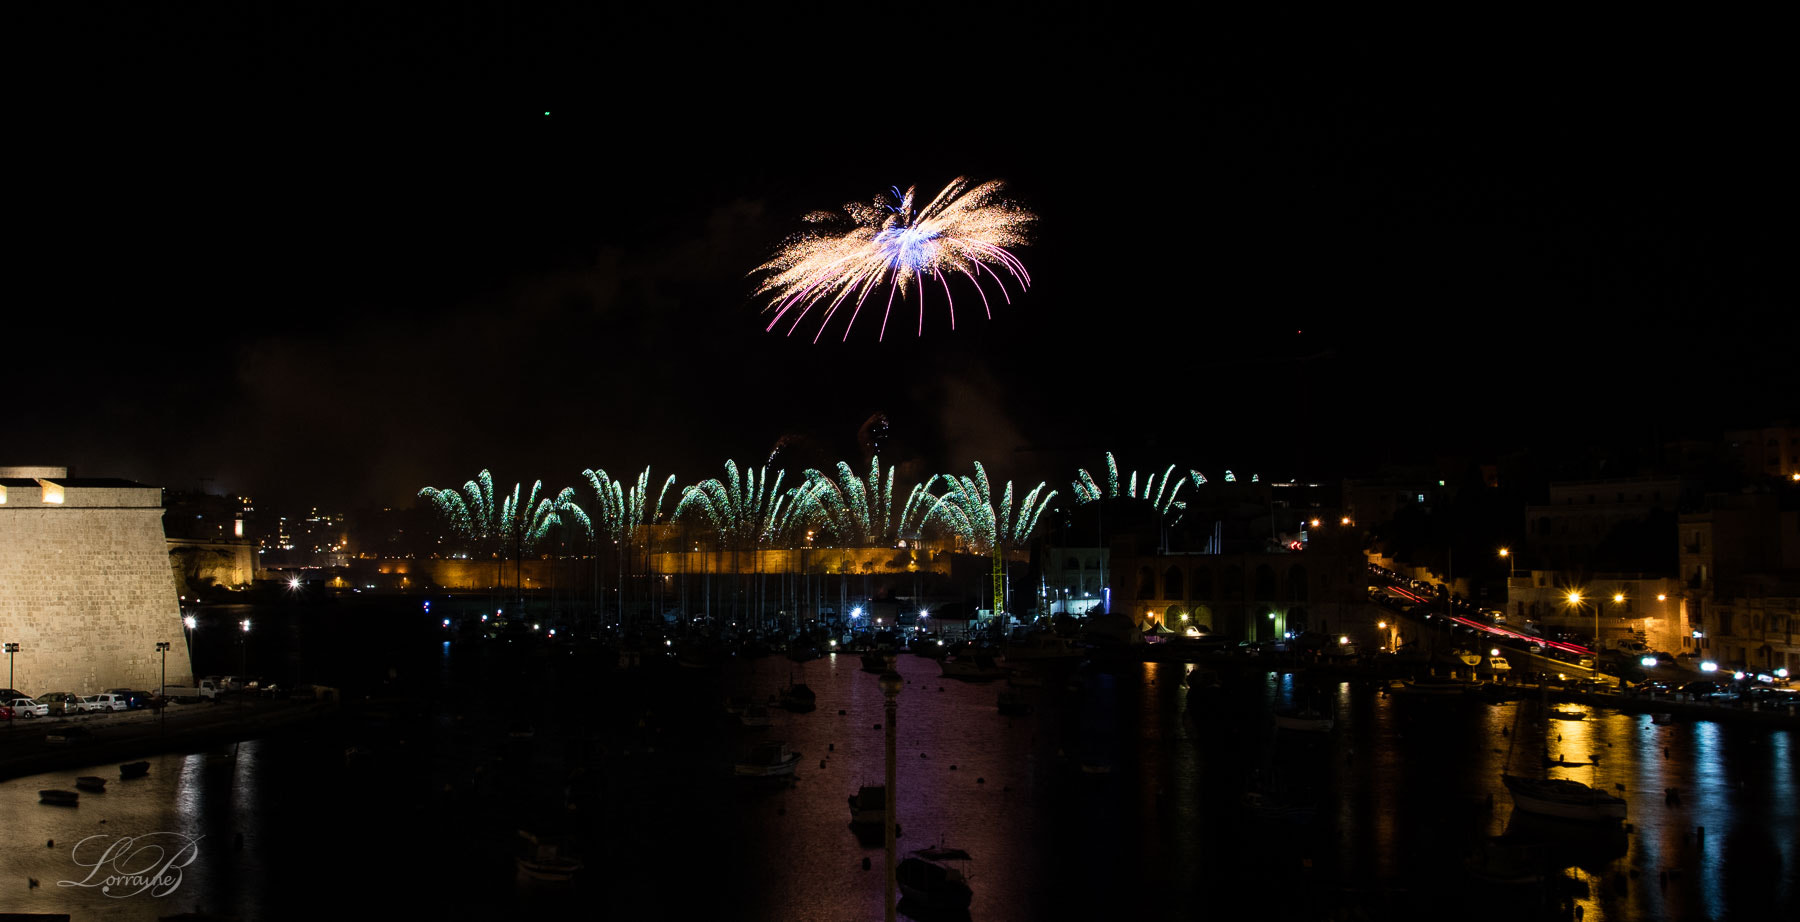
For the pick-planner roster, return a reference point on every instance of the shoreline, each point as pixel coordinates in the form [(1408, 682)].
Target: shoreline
[(132, 735)]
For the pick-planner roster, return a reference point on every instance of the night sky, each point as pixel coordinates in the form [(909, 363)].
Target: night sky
[(336, 256)]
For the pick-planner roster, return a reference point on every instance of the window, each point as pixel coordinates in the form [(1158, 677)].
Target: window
[(1172, 584), (1146, 583)]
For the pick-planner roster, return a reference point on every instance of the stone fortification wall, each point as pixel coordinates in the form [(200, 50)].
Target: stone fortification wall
[(86, 590)]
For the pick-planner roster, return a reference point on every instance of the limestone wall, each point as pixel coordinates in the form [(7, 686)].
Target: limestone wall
[(86, 590)]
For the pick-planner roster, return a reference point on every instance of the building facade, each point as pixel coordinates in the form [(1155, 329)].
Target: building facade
[(86, 590)]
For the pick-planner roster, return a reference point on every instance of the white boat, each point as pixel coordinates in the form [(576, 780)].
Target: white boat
[(1305, 720), (1563, 798), (767, 760), (543, 859), (935, 878)]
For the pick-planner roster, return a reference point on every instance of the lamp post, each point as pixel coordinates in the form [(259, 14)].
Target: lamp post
[(11, 648), (243, 654), (890, 691), (162, 646)]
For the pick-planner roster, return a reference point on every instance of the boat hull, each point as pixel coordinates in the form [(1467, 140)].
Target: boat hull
[(1564, 799)]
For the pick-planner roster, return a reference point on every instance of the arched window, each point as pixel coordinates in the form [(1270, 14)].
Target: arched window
[(1232, 581), (1203, 583), (1172, 584), (1146, 583), (1265, 581), (1296, 583)]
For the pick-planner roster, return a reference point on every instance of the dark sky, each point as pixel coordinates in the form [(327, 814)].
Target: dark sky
[(338, 255)]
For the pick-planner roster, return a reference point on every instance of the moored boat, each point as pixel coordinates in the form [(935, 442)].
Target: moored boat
[(93, 783), (543, 859), (977, 667), (767, 760), (1567, 715), (798, 698), (935, 878), (134, 769), (59, 798), (1563, 798), (1432, 685), (1304, 720), (868, 809)]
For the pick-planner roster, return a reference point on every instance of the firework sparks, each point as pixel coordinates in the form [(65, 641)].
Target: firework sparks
[(963, 231)]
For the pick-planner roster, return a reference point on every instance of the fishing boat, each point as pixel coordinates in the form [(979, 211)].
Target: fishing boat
[(798, 698), (936, 878), (767, 760), (93, 783), (59, 798), (134, 769)]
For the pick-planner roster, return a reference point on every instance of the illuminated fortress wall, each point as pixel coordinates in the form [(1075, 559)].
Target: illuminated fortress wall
[(85, 585)]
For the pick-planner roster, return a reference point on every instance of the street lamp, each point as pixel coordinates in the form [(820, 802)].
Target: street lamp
[(162, 646), (1512, 569), (11, 648), (244, 653)]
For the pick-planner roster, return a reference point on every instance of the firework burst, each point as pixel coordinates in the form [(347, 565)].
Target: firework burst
[(860, 512), (964, 231), (968, 510), (1160, 491)]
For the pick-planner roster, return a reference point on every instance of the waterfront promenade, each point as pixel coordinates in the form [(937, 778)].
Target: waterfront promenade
[(26, 747)]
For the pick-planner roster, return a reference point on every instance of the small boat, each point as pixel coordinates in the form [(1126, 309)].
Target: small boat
[(1012, 703), (1271, 805), (1041, 646), (756, 717), (1431, 685), (134, 769), (977, 667), (1563, 798), (767, 760), (1662, 720), (93, 783), (798, 698), (543, 859), (868, 809), (935, 878), (1567, 715), (59, 798), (1304, 719)]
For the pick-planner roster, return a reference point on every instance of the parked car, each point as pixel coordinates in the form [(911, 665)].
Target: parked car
[(60, 703), (6, 712), (104, 702), (1701, 689), (26, 707), (135, 698)]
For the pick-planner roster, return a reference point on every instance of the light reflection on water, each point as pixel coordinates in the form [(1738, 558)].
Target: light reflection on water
[(1132, 782)]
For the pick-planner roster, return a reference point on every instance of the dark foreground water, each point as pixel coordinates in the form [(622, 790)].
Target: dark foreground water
[(1119, 796)]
